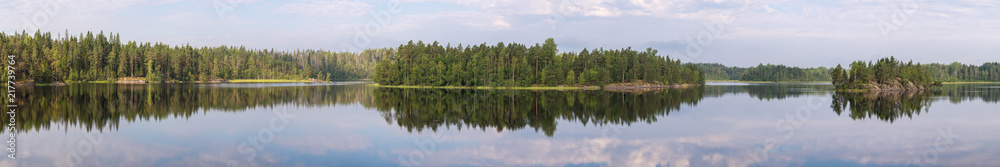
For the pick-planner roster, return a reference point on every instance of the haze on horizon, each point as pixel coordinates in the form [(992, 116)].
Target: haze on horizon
[(731, 32)]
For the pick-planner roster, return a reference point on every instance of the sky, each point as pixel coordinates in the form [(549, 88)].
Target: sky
[(732, 32)]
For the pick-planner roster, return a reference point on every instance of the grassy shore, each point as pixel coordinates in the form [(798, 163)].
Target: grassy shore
[(267, 80), (767, 81), (486, 87)]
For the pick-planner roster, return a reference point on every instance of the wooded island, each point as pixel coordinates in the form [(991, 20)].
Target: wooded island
[(886, 74), (517, 65)]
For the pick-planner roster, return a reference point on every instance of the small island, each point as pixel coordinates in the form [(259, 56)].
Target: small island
[(517, 66), (888, 74)]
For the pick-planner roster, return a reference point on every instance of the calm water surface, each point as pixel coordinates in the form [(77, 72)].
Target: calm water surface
[(352, 124)]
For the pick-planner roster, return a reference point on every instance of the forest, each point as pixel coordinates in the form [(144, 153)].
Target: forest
[(88, 57), (777, 73), (886, 71), (513, 64), (958, 72), (716, 71), (762, 72), (953, 72), (104, 57)]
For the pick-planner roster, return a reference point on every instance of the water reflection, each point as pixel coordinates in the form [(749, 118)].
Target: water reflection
[(770, 91), (104, 107), (889, 106), (345, 125), (420, 109), (886, 106), (958, 93)]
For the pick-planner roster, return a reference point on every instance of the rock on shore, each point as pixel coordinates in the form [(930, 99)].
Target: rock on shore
[(895, 85), (642, 86)]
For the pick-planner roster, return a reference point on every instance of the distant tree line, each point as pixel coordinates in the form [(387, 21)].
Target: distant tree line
[(954, 72), (716, 71), (101, 57), (762, 72), (958, 72), (771, 72), (884, 71), (519, 65)]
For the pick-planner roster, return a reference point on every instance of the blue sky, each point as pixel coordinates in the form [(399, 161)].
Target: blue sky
[(732, 32)]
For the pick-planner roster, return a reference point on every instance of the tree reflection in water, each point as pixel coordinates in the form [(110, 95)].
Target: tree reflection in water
[(884, 105), (105, 106), (420, 109)]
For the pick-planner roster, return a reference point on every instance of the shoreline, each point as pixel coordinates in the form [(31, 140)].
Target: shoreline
[(271, 81), (983, 82), (61, 83), (739, 81), (491, 87), (875, 91), (610, 87)]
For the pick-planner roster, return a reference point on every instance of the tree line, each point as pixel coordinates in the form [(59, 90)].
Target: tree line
[(516, 64), (958, 72), (953, 72), (104, 57), (776, 73), (762, 72), (884, 71), (716, 71)]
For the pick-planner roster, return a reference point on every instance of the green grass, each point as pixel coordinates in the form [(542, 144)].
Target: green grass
[(481, 87), (267, 80)]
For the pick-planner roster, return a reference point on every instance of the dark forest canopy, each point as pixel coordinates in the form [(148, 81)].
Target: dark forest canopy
[(515, 64), (886, 73), (101, 57)]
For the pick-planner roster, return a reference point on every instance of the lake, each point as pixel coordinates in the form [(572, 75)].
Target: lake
[(354, 124)]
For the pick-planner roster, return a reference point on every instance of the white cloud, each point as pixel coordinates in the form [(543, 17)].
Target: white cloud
[(320, 145), (500, 23), (768, 9), (327, 8)]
